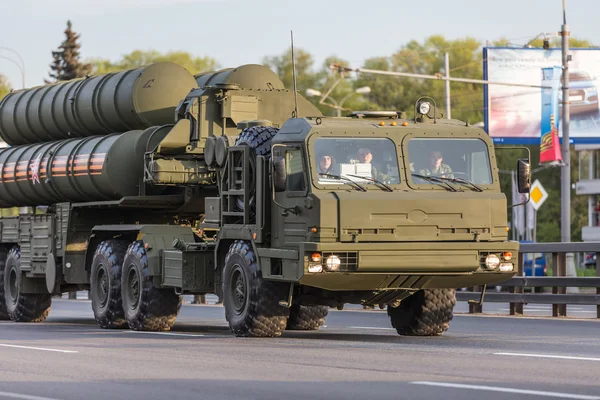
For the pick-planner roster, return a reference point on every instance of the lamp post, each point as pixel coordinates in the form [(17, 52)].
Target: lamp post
[(338, 105), (21, 65)]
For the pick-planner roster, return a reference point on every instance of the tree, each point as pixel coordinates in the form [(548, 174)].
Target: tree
[(342, 85), (5, 87), (305, 76), (66, 64), (141, 58)]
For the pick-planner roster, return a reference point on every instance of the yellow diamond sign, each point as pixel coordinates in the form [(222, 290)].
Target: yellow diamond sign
[(537, 195)]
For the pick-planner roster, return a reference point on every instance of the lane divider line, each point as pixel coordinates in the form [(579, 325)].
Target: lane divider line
[(548, 356), (37, 348), (509, 390), (23, 396)]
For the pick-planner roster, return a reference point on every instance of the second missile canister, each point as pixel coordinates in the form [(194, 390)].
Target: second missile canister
[(95, 168)]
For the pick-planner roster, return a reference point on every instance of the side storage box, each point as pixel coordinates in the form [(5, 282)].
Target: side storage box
[(191, 271)]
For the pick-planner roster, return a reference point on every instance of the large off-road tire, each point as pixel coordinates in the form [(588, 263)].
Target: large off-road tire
[(3, 311), (258, 138), (105, 284), (146, 308), (251, 303), (22, 307), (426, 313), (306, 318)]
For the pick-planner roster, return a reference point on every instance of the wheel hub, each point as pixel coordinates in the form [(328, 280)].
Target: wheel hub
[(13, 285), (238, 289), (102, 285), (133, 281)]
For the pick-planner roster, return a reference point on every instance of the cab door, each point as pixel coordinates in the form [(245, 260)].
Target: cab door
[(288, 211)]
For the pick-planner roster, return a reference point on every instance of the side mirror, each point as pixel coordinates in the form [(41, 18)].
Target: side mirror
[(523, 175), (279, 175)]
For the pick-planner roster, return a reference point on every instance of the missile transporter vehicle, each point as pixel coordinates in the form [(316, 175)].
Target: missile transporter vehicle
[(149, 184)]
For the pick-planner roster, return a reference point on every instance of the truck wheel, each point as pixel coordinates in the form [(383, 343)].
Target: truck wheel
[(306, 318), (22, 307), (251, 304), (105, 284), (146, 307), (3, 310), (426, 313)]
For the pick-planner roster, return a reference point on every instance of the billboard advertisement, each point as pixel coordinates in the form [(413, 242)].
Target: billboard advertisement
[(516, 114)]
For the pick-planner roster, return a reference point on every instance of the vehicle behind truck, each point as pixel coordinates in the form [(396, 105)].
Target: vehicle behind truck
[(149, 184)]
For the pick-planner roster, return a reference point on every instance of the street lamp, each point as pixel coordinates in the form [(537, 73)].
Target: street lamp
[(20, 65), (338, 106), (312, 92)]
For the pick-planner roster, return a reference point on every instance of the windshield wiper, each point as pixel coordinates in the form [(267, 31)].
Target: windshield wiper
[(355, 184), (465, 182), (368, 178), (434, 179)]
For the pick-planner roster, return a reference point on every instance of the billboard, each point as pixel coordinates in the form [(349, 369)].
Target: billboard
[(513, 114)]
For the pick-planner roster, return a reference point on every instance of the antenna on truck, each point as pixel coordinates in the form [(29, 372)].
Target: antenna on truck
[(294, 76)]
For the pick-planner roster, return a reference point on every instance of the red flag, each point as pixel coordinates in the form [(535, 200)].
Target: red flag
[(549, 145)]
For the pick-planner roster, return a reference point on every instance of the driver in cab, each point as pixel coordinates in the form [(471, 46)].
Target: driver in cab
[(437, 167), (365, 156)]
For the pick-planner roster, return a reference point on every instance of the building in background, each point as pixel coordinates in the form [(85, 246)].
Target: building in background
[(589, 185)]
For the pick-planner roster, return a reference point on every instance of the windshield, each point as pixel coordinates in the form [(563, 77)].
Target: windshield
[(366, 161), (453, 158)]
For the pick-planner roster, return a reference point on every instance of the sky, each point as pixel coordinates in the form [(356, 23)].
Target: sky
[(237, 32)]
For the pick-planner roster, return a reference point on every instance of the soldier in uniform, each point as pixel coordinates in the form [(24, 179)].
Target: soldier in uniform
[(365, 156), (437, 167), (326, 163)]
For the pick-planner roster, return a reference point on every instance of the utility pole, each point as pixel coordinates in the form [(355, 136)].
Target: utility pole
[(447, 70), (565, 190)]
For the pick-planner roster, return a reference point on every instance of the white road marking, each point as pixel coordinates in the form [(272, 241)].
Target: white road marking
[(37, 348), (164, 333), (23, 396), (509, 390), (548, 356), (371, 327)]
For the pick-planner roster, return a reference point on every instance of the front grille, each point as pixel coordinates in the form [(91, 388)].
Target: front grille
[(348, 260)]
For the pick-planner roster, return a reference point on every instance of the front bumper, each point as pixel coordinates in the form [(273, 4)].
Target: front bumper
[(390, 266)]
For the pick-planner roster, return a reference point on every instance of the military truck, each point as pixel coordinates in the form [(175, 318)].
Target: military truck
[(149, 184)]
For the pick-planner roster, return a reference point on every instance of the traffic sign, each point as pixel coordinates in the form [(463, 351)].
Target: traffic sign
[(537, 195)]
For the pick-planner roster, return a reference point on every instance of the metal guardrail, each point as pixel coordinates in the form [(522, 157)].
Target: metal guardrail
[(559, 282)]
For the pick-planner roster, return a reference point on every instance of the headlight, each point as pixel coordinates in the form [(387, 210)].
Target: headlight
[(424, 108), (507, 255), (333, 263), (492, 261)]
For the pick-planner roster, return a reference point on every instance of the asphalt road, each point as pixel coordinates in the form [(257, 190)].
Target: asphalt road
[(355, 356)]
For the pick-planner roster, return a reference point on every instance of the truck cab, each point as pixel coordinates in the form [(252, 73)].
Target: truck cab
[(363, 204)]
